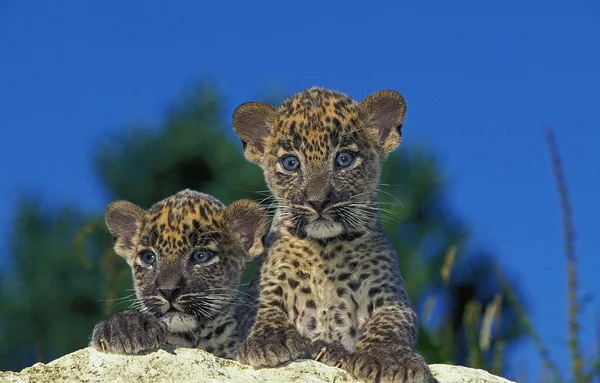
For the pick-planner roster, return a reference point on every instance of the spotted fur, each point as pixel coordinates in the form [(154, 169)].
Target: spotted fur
[(330, 281), (188, 294)]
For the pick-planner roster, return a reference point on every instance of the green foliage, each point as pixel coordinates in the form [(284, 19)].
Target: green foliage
[(443, 280), (64, 276), (191, 149), (50, 298)]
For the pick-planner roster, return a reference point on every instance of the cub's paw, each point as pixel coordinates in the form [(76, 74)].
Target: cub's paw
[(273, 347), (330, 353), (388, 363), (128, 332)]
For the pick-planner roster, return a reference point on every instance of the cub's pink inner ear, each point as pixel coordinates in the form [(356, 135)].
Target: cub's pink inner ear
[(252, 122), (248, 221), (245, 231), (122, 218), (385, 111)]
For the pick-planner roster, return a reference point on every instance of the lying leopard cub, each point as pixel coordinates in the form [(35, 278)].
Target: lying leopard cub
[(330, 286), (187, 254)]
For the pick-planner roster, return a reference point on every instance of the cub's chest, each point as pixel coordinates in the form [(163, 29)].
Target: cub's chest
[(220, 336), (325, 293)]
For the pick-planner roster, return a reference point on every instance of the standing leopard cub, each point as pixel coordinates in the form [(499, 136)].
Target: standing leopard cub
[(330, 283), (187, 254)]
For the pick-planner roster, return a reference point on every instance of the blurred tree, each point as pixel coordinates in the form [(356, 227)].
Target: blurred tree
[(64, 276), (50, 296), (190, 150)]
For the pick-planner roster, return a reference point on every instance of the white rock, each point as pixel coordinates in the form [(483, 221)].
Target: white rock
[(192, 365)]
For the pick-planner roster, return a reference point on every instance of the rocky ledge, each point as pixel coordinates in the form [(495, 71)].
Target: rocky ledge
[(192, 365)]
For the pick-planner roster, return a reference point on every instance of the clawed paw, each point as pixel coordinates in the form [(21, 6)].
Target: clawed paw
[(331, 354), (273, 347), (128, 332), (385, 363)]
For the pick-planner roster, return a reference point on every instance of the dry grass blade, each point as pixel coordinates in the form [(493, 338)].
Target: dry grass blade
[(471, 320), (576, 362), (445, 273), (448, 264), (491, 312), (428, 308), (498, 358)]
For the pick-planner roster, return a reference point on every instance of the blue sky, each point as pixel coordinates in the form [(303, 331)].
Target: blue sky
[(481, 79)]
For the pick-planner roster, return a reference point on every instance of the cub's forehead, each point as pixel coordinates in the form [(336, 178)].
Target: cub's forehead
[(186, 207), (315, 119), (316, 109), (182, 221)]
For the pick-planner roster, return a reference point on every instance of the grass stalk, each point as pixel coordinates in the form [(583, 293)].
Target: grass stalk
[(568, 233)]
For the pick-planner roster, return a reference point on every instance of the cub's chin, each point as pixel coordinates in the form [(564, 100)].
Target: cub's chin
[(177, 321), (322, 228)]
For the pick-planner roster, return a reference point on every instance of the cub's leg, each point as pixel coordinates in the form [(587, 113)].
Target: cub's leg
[(128, 332), (385, 351), (273, 340)]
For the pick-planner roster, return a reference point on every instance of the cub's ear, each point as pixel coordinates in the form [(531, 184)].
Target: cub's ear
[(384, 111), (252, 122), (122, 220), (248, 221)]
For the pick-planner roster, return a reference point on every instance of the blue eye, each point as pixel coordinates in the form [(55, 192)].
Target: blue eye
[(290, 163), (148, 257), (202, 256), (344, 159)]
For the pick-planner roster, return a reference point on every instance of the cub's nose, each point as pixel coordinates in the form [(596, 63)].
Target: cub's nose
[(319, 205), (170, 294)]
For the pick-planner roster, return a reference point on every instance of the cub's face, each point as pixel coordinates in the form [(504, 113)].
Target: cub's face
[(321, 153), (188, 252)]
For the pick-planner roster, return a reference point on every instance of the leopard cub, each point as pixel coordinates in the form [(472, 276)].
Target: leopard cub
[(330, 287), (187, 254)]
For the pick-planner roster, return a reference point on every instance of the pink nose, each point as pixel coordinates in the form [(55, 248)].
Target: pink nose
[(170, 294), (319, 205)]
